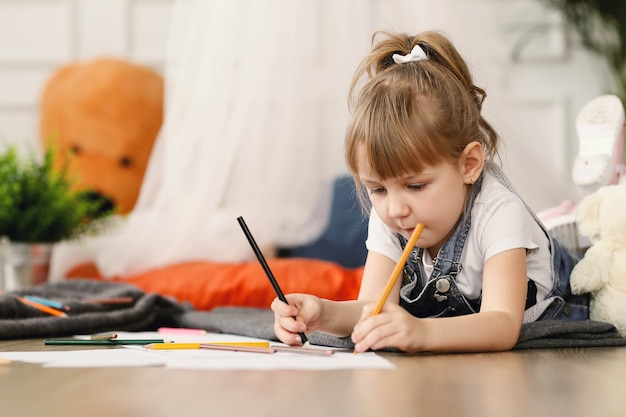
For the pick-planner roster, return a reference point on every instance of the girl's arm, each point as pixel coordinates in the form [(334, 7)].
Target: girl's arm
[(498, 324), (339, 318), (495, 327), (336, 318)]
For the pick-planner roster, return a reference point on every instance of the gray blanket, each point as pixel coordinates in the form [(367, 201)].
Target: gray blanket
[(537, 335), (145, 312), (149, 311)]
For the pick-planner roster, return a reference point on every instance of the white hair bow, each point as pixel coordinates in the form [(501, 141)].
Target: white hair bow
[(417, 54)]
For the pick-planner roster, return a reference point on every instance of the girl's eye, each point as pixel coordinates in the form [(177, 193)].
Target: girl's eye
[(416, 187), (377, 190)]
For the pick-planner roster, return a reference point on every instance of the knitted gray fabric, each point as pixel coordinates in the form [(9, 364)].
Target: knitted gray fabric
[(252, 322), (560, 334), (146, 312), (149, 311), (259, 323)]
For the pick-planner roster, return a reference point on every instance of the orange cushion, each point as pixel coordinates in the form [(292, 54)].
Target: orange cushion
[(207, 285)]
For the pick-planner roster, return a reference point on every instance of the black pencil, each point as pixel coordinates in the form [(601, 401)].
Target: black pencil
[(266, 268), (101, 341)]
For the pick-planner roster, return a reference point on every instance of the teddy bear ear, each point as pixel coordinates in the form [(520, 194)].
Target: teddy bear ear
[(587, 214)]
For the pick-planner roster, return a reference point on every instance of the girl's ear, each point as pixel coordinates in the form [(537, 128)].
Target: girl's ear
[(472, 162)]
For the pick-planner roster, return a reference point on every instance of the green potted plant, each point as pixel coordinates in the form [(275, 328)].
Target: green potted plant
[(38, 208)]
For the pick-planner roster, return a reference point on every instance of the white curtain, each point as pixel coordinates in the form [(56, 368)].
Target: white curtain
[(254, 120)]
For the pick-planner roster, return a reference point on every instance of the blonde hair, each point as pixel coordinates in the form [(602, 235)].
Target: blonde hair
[(412, 115)]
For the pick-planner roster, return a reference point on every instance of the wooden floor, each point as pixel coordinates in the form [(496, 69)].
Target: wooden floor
[(545, 383)]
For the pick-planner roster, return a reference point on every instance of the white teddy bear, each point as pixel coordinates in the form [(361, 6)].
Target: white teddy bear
[(601, 217)]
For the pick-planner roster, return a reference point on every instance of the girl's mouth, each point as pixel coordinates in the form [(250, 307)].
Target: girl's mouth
[(407, 232)]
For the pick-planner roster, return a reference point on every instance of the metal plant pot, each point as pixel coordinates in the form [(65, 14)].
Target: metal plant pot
[(24, 265)]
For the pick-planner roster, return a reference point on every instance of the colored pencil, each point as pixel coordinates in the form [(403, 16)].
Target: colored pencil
[(41, 307), (303, 350), (109, 342), (181, 331), (49, 303), (232, 348), (104, 336), (266, 268), (398, 268), (198, 345), (112, 300)]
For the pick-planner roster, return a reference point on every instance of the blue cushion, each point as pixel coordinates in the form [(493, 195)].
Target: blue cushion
[(343, 240)]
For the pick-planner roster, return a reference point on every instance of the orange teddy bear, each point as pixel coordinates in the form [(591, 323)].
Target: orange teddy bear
[(106, 114)]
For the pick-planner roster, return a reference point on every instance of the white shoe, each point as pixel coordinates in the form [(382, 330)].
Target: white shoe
[(600, 128)]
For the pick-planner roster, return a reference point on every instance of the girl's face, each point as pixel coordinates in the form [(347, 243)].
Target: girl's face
[(434, 197)]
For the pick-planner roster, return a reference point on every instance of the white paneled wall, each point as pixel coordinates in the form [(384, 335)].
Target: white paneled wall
[(532, 101), (38, 36)]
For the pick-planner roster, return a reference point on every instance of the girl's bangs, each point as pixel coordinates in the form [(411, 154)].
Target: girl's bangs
[(394, 147)]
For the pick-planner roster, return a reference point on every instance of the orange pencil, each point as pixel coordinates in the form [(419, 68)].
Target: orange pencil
[(396, 271), (41, 307), (398, 268)]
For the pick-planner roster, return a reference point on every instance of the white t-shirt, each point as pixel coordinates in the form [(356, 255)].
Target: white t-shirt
[(500, 221)]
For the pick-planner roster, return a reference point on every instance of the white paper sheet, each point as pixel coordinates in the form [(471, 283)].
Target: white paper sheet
[(206, 359), (202, 359)]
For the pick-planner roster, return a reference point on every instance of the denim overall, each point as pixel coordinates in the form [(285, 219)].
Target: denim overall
[(439, 296)]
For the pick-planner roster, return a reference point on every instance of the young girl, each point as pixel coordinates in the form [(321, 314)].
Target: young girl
[(419, 148)]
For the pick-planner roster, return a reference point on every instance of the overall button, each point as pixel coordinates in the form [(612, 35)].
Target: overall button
[(567, 310), (442, 285)]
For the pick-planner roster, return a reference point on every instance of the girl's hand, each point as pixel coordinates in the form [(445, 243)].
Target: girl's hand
[(301, 315), (393, 327)]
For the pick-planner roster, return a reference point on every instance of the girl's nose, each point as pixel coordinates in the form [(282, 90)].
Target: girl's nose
[(398, 209)]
